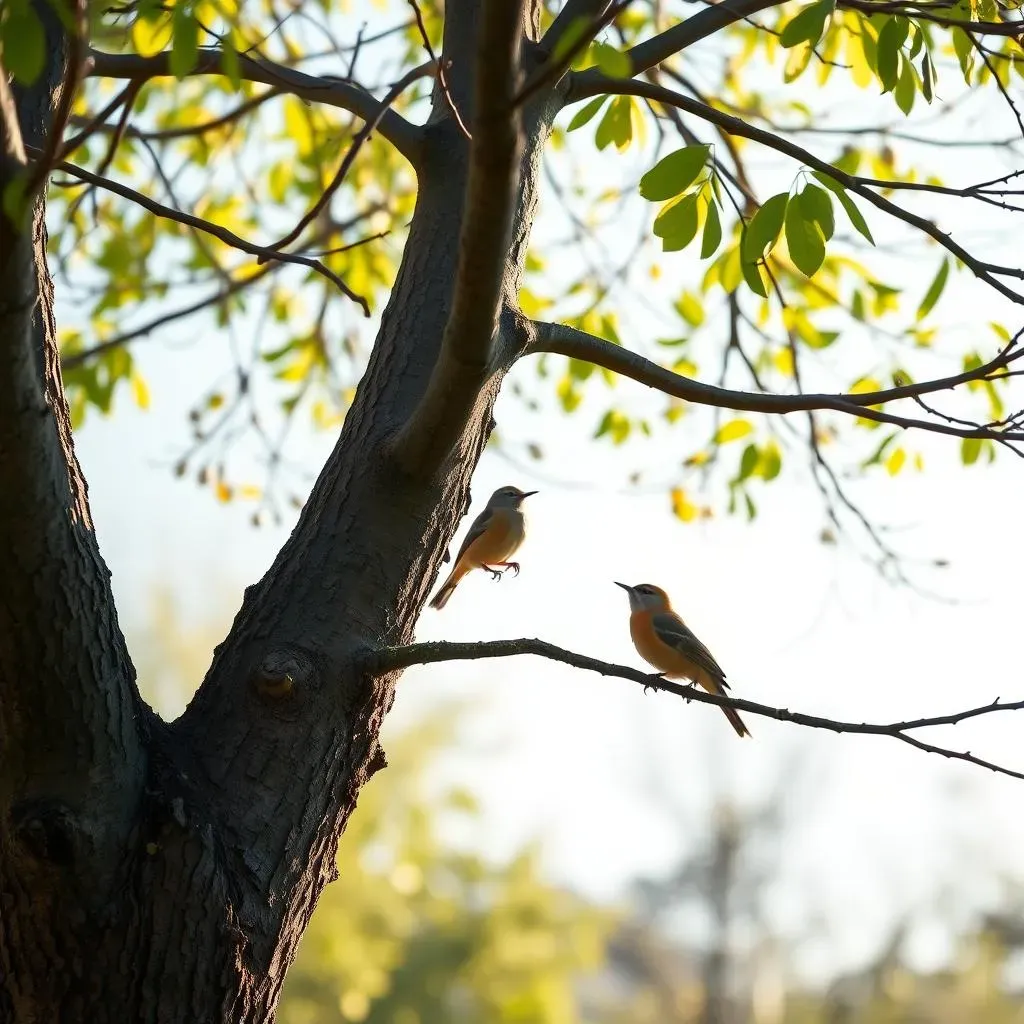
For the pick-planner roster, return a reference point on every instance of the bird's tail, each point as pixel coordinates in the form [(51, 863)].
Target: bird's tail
[(736, 722), (715, 686), (446, 591)]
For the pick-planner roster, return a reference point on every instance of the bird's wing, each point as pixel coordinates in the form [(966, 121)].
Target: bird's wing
[(477, 530), (673, 631)]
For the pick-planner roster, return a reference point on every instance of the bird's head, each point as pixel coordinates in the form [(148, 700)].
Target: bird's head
[(646, 597), (509, 497)]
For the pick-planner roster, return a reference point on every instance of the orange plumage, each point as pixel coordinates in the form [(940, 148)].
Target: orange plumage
[(666, 643)]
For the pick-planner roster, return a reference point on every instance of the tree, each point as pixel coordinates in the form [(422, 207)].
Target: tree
[(154, 870)]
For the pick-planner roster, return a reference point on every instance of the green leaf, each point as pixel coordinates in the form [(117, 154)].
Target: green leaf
[(185, 48), (676, 225), (690, 309), (230, 64), (934, 291), (970, 449), (674, 174), (573, 33), (808, 25), (712, 232), (733, 430), (816, 205), (752, 275), (613, 63), (764, 228), (24, 43), (616, 125), (805, 241), (906, 88), (856, 217), (927, 77), (585, 113), (748, 461), (770, 464), (964, 52), (890, 40)]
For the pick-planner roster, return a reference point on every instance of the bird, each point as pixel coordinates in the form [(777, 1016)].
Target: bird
[(663, 640), (492, 540)]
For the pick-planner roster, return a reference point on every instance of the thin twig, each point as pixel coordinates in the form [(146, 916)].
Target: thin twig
[(442, 71)]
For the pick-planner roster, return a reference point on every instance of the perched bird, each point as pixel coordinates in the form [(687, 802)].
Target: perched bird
[(663, 640), (492, 540)]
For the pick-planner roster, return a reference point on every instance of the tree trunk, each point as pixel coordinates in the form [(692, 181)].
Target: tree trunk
[(165, 872)]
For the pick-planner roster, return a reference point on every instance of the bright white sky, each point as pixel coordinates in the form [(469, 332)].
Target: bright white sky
[(877, 828)]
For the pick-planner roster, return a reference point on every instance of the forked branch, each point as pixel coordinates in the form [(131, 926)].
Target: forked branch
[(392, 659)]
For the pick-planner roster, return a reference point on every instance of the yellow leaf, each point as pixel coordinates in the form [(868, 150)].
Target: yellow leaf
[(682, 506), (150, 37), (141, 391), (733, 430), (865, 386), (223, 492), (249, 491), (783, 360), (894, 463)]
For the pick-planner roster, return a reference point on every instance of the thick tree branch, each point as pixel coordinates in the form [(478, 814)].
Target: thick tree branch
[(227, 237), (591, 85), (463, 363), (392, 659), (568, 341), (402, 134), (685, 33)]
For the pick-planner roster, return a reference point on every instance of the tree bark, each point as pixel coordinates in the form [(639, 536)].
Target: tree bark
[(165, 872)]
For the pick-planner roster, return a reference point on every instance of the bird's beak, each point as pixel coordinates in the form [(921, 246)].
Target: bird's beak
[(624, 586), (526, 494)]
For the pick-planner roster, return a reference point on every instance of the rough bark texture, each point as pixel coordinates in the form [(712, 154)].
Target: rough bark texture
[(165, 872)]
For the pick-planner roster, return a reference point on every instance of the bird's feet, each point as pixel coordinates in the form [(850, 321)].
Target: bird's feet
[(495, 573), (514, 566)]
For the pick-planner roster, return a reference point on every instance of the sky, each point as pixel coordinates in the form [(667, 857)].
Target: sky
[(615, 783)]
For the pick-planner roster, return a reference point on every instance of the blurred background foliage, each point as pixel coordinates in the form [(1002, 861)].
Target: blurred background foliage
[(420, 929)]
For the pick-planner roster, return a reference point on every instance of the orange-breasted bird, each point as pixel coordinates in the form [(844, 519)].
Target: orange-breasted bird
[(663, 640), (492, 540)]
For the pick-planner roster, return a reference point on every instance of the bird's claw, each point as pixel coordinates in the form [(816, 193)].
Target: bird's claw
[(514, 566), (495, 573)]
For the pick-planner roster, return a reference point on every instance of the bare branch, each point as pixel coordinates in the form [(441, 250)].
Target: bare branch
[(463, 361), (590, 85), (392, 659), (227, 237), (568, 341), (402, 134)]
